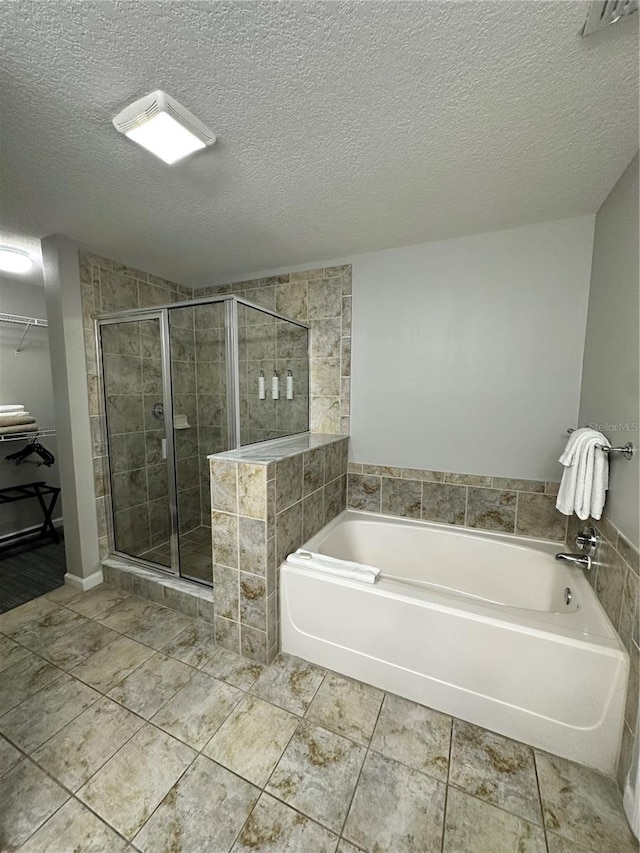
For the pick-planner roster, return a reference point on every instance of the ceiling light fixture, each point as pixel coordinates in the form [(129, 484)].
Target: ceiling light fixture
[(160, 124), (14, 260)]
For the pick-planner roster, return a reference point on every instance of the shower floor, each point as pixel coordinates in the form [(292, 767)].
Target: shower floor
[(195, 554)]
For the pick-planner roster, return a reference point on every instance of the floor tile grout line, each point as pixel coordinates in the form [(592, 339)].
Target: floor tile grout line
[(540, 802)]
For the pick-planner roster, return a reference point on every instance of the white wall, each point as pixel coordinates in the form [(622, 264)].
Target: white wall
[(611, 360), (467, 353), (25, 379)]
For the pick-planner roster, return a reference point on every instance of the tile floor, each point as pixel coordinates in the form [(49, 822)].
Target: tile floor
[(123, 728)]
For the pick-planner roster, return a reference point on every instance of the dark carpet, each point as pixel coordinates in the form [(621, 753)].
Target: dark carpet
[(28, 570)]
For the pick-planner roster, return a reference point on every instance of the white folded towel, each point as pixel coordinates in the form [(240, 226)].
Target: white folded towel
[(585, 479), (332, 566), (11, 408)]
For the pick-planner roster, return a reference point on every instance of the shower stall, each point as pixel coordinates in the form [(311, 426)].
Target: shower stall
[(180, 382)]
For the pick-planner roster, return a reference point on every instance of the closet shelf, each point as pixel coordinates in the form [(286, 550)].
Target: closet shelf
[(27, 322), (25, 436)]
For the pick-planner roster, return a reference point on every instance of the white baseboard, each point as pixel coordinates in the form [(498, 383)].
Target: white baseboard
[(57, 523), (84, 584)]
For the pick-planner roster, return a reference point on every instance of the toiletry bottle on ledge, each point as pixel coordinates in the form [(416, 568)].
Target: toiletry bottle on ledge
[(275, 386)]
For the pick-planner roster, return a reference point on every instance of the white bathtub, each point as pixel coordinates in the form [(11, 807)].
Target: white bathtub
[(473, 624)]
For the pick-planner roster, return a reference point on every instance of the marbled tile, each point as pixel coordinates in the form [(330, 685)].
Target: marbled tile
[(24, 678), (467, 479), (582, 806), (40, 716), (518, 485), (197, 711), (346, 847), (253, 595), (106, 668), (291, 299), (335, 497), (10, 652), (631, 708), (178, 599), (289, 682), (234, 669), (78, 644), (75, 828), (224, 539), (324, 413), (227, 634), (224, 486), (335, 461), (194, 646), (346, 707), (395, 809), (382, 470), (79, 749), (414, 735), (63, 594), (136, 779), (364, 492), (317, 774), (610, 580), (28, 798), (252, 545), (97, 600), (313, 470), (41, 632), (252, 482), (629, 608), (253, 643), (205, 810), (401, 497), (288, 531), (551, 488), (152, 684), (474, 825), (537, 516), (288, 481), (252, 739), (443, 503), (9, 756), (325, 374), (325, 297), (313, 516), (146, 588), (628, 552), (227, 592), (422, 474), (272, 827), (145, 622), (495, 769), (491, 509)]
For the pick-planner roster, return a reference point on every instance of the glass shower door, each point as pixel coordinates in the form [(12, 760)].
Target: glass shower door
[(134, 403), (197, 336)]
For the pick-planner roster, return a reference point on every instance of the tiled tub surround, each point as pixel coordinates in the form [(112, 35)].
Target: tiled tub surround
[(131, 731), (615, 579), (320, 298), (266, 501), (524, 507)]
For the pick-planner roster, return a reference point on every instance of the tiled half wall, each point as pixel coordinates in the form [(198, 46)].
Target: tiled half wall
[(320, 298), (615, 578), (260, 512), (525, 507)]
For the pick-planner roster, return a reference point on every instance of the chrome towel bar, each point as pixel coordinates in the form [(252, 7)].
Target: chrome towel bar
[(627, 449)]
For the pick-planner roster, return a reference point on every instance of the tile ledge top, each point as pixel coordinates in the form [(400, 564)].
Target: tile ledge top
[(265, 452)]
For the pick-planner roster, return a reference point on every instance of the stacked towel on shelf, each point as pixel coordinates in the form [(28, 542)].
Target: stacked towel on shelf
[(14, 419), (332, 566), (585, 479)]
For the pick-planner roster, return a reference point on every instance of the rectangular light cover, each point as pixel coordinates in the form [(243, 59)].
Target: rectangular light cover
[(164, 127)]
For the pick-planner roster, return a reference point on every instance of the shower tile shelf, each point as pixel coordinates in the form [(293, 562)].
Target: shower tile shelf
[(27, 436), (27, 322)]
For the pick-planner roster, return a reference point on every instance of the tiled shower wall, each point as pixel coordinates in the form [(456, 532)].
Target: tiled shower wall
[(615, 578), (320, 298), (109, 286), (525, 507)]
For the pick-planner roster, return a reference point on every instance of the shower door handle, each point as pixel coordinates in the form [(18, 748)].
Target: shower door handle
[(163, 443)]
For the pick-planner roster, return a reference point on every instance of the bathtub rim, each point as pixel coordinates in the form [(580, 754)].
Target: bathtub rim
[(543, 622)]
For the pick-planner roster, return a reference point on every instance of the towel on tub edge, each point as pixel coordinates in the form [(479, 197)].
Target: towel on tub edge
[(332, 566)]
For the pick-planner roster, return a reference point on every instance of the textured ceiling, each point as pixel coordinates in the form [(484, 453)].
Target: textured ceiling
[(342, 127)]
